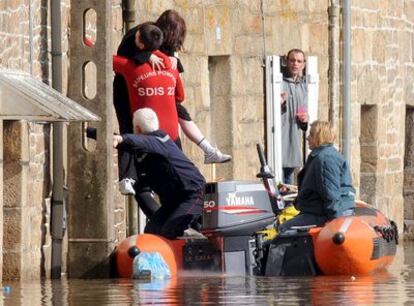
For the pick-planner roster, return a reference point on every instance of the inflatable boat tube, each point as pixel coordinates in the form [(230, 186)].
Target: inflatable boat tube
[(170, 250), (356, 245)]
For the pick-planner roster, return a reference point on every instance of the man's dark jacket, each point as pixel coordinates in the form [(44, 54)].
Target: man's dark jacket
[(163, 166)]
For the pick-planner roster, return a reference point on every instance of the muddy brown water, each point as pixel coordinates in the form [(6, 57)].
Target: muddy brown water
[(392, 287)]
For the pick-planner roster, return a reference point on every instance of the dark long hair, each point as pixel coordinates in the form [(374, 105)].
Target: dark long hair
[(174, 29)]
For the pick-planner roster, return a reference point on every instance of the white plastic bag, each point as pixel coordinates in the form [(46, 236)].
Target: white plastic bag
[(150, 265)]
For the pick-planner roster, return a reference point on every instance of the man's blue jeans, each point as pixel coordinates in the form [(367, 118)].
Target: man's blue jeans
[(288, 175)]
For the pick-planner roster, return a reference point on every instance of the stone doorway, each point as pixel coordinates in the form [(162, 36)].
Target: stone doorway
[(408, 187), (369, 153)]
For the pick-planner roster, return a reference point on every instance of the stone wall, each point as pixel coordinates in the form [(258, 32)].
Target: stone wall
[(18, 250), (39, 192), (22, 52), (382, 64), (223, 77), (237, 34), (1, 197), (27, 173), (121, 203), (230, 34), (91, 177)]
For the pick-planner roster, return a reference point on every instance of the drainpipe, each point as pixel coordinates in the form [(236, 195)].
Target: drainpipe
[(58, 181), (346, 125), (128, 17), (128, 13), (333, 12), (262, 12), (31, 47)]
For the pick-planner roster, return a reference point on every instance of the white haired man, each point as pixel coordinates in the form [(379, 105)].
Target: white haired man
[(161, 165)]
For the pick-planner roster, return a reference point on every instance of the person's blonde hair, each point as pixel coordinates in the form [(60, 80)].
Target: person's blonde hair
[(323, 133)]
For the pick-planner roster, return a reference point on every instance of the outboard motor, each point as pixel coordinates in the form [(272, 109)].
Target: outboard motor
[(233, 212), (236, 208)]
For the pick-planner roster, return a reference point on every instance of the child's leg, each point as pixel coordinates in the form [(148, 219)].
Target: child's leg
[(121, 104), (191, 130), (127, 172)]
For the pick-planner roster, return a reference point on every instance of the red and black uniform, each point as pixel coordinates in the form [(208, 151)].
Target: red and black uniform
[(139, 86), (128, 49), (121, 100), (156, 89)]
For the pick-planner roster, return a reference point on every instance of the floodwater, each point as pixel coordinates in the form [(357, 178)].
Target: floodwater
[(393, 287)]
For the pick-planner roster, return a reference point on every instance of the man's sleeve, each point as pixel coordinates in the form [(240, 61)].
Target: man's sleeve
[(132, 142), (119, 64), (141, 57), (179, 90), (139, 143), (127, 46)]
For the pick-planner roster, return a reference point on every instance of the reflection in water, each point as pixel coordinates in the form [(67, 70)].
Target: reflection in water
[(393, 287)]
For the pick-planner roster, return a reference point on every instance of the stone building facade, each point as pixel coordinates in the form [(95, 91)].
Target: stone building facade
[(224, 81)]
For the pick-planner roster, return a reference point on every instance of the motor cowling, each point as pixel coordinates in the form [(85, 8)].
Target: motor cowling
[(236, 208)]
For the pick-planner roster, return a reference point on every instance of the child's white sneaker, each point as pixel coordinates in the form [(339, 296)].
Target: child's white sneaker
[(192, 233), (126, 186), (215, 156)]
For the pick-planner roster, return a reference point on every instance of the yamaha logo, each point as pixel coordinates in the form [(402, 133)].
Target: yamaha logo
[(233, 200)]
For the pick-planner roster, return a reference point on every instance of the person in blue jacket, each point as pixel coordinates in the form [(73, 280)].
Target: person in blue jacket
[(324, 183), (161, 165)]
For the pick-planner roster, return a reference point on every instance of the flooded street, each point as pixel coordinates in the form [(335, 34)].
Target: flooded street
[(393, 287)]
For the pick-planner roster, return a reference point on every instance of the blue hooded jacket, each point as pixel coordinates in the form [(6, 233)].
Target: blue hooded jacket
[(325, 184)]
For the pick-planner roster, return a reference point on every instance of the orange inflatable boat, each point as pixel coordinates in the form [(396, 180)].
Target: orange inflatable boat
[(237, 218), (170, 250), (356, 245)]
